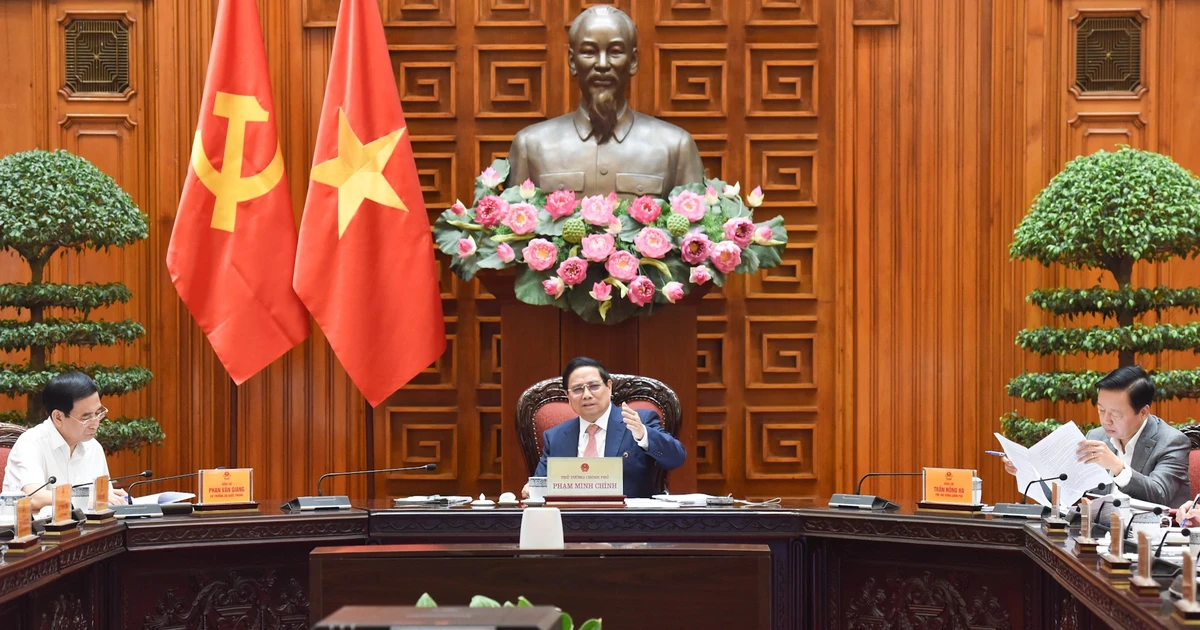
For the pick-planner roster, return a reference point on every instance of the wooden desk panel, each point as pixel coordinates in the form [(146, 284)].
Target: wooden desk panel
[(61, 585), (629, 585)]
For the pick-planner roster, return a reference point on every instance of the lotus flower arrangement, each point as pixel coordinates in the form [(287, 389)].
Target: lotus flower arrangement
[(603, 257)]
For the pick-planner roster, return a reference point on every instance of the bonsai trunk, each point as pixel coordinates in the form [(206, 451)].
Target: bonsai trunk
[(1123, 271), (37, 354)]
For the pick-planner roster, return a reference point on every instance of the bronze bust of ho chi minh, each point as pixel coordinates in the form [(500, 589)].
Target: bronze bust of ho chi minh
[(604, 145)]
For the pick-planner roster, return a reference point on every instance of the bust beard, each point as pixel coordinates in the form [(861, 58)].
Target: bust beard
[(602, 111)]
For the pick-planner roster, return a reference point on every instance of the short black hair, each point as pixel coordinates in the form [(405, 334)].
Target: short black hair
[(1133, 380), (64, 390), (582, 362)]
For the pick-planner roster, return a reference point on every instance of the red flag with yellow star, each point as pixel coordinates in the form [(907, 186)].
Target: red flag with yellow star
[(233, 246), (365, 265)]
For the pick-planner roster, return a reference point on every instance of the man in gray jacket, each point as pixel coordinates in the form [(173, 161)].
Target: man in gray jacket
[(1147, 458)]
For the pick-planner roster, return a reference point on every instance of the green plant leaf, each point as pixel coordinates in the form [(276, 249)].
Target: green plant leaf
[(79, 297), (479, 601), (749, 262), (426, 601), (129, 434), (548, 226), (590, 624), (524, 603), (23, 379), (1140, 338), (50, 333), (528, 286), (502, 169), (567, 622)]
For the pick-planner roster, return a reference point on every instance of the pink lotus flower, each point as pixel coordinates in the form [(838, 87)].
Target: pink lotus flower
[(540, 254), (614, 226), (490, 177), (763, 235), (673, 291), (740, 231), (528, 190), (710, 196), (690, 205), (561, 203), (573, 270), (652, 242), (554, 287), (458, 208), (597, 247), (699, 275), (755, 198), (491, 211), (505, 252), (597, 210), (726, 256), (623, 266), (521, 217), (641, 291), (466, 247), (601, 292), (695, 248), (644, 210)]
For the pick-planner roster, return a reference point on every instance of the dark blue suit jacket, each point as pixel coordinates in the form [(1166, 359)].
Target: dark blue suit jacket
[(666, 451)]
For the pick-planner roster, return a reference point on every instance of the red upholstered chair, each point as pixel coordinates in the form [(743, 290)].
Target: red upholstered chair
[(1193, 434), (544, 406), (8, 437)]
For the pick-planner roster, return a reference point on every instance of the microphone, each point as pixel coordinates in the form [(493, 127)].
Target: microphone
[(145, 473), (138, 483), (340, 502), (1185, 532), (49, 481), (1045, 490), (869, 501)]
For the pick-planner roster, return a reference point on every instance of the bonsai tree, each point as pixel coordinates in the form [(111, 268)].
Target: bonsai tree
[(1107, 211), (50, 203)]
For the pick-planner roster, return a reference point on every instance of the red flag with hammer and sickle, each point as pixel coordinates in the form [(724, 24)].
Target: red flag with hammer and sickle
[(233, 247), (365, 265)]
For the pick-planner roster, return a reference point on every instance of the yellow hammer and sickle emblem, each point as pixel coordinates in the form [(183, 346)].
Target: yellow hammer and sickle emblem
[(228, 184)]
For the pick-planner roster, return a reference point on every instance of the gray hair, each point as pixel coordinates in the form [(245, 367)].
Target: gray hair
[(599, 11)]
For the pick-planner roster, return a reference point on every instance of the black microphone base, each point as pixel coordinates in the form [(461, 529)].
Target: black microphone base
[(861, 502), (138, 511), (1021, 510), (304, 504)]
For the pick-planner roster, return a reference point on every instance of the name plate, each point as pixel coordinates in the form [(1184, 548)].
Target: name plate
[(585, 477), (101, 493), (230, 485), (24, 518), (949, 486), (62, 503)]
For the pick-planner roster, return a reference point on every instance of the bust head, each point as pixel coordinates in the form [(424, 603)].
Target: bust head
[(603, 57)]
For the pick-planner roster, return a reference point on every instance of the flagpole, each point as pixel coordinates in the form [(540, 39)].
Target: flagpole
[(233, 422), (370, 451)]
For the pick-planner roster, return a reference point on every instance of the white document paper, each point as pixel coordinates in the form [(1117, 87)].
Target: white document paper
[(693, 499), (163, 497), (1052, 456), (649, 504)]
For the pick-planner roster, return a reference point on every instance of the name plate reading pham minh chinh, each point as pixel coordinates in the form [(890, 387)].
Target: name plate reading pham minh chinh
[(585, 480), (226, 489), (948, 488)]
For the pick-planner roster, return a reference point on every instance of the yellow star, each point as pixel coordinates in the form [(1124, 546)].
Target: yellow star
[(357, 172)]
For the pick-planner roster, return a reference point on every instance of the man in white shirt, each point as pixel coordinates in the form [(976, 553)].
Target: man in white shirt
[(1147, 457), (64, 446), (603, 429)]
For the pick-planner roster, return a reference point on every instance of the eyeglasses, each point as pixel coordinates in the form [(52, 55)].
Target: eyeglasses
[(88, 418), (577, 391)]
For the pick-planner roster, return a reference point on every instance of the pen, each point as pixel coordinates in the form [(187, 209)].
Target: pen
[(994, 453), (1183, 523)]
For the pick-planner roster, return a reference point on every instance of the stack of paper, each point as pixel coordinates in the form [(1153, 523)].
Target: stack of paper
[(1052, 456)]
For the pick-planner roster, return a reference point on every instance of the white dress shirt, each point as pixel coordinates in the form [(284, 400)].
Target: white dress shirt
[(41, 452), (1126, 455), (602, 434)]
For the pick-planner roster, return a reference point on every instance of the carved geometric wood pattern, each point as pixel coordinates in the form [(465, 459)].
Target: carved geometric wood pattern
[(781, 80), (690, 12), (690, 80), (876, 13), (1108, 54), (510, 13), (783, 12), (96, 54), (425, 78), (395, 13), (510, 81)]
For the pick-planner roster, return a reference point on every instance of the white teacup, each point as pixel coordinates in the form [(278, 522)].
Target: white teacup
[(537, 488)]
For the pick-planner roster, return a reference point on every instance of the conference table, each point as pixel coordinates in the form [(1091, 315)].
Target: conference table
[(829, 568)]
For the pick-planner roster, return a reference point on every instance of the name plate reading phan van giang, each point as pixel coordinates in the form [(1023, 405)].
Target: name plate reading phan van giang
[(585, 478)]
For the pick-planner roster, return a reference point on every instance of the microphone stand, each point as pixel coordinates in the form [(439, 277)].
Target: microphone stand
[(340, 502)]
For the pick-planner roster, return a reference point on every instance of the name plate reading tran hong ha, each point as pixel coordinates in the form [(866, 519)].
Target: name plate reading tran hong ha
[(585, 479), (949, 489)]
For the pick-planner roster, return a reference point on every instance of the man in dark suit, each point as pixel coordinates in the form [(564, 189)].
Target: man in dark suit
[(1147, 458), (604, 430)]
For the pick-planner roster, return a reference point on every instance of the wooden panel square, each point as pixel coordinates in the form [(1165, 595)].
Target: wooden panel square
[(779, 442), (689, 80), (510, 81), (690, 13), (711, 452), (1093, 131), (875, 13), (437, 170), (419, 13), (782, 13), (490, 425), (510, 12), (785, 166), (794, 278), (572, 8), (422, 435), (489, 352), (781, 80), (442, 374), (714, 152), (487, 150), (780, 352), (425, 79)]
